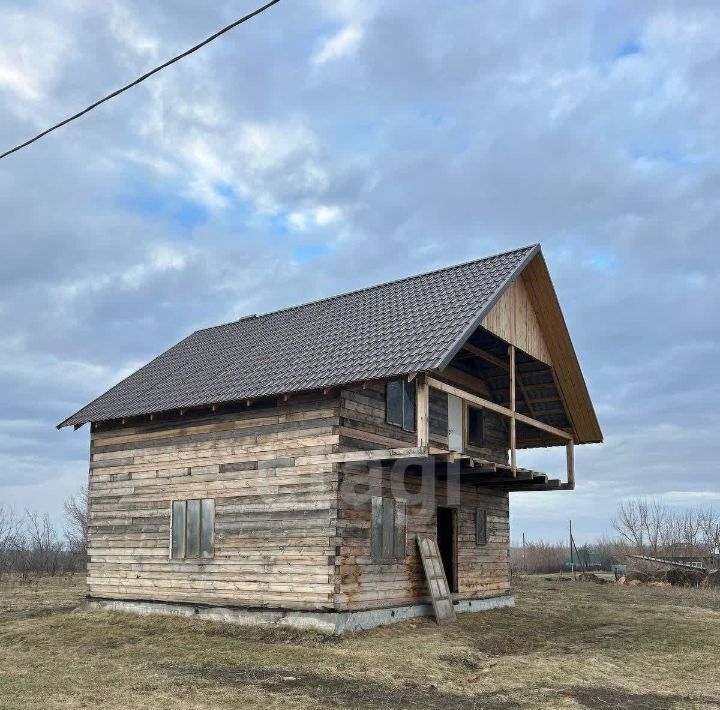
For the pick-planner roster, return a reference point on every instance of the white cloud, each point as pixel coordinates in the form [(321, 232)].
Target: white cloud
[(342, 44), (320, 216), (27, 74), (326, 214), (130, 32), (161, 258)]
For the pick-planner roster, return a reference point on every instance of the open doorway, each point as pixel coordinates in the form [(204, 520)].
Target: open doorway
[(447, 543)]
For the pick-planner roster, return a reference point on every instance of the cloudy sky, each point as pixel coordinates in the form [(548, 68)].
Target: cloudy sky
[(332, 144)]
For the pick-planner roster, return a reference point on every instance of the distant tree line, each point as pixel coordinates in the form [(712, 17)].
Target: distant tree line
[(641, 526), (30, 543)]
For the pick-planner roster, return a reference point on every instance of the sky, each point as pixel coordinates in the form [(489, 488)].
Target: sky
[(331, 144)]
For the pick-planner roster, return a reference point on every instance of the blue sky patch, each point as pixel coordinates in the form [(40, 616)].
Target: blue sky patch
[(309, 252), (602, 261), (628, 48), (165, 205)]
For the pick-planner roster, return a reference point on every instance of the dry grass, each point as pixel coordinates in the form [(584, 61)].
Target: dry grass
[(566, 645)]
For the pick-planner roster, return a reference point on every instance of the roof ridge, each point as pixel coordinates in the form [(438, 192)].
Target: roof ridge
[(371, 287)]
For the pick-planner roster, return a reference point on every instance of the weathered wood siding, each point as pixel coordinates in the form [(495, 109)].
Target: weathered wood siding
[(285, 537), (363, 423), (483, 571), (275, 522), (514, 320)]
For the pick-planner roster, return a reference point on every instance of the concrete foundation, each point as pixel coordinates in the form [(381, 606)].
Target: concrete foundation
[(328, 622)]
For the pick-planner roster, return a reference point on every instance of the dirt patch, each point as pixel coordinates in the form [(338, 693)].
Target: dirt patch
[(268, 634), (464, 659), (337, 692), (16, 615), (591, 577), (616, 699), (610, 631)]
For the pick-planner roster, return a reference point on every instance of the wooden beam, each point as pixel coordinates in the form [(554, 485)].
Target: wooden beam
[(485, 355), (410, 452), (423, 412), (492, 406), (544, 371), (570, 449), (479, 352), (552, 485), (513, 413), (494, 479)]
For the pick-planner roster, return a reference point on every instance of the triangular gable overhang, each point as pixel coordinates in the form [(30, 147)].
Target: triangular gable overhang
[(568, 375)]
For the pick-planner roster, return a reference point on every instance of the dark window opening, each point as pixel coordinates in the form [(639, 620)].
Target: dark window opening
[(480, 526), (475, 426), (400, 404)]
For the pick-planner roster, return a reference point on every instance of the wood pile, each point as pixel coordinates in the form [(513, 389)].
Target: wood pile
[(675, 577)]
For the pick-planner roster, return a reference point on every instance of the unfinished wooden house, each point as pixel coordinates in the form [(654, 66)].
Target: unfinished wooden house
[(280, 468)]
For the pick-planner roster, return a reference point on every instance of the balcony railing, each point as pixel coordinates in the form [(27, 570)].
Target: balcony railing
[(425, 383)]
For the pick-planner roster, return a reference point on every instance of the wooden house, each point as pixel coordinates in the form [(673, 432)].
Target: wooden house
[(278, 469)]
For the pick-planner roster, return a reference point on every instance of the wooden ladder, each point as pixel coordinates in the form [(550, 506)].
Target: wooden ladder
[(437, 581)]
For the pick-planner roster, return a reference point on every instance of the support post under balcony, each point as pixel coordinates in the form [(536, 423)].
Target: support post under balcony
[(570, 449), (513, 430), (423, 412)]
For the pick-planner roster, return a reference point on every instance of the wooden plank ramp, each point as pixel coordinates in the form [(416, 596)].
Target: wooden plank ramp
[(437, 581)]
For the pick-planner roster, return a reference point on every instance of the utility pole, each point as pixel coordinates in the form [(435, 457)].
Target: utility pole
[(524, 558)]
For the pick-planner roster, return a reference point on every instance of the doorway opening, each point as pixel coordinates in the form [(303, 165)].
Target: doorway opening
[(447, 543)]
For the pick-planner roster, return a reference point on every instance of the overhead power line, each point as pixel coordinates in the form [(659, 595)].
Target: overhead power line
[(142, 78)]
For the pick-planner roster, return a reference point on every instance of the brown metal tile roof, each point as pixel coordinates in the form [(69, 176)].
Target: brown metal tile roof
[(396, 328)]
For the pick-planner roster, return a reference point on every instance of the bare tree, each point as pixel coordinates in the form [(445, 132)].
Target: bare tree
[(644, 524), (44, 548), (10, 531), (540, 557), (76, 526), (648, 527), (709, 530)]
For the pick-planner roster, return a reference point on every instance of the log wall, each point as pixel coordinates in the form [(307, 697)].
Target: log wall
[(483, 571), (285, 536), (363, 423), (275, 514)]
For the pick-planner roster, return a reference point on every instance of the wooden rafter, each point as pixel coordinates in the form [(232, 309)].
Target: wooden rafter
[(498, 362)]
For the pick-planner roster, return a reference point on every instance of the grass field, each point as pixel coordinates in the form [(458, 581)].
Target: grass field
[(565, 645)]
